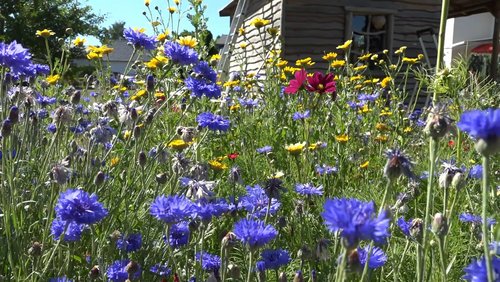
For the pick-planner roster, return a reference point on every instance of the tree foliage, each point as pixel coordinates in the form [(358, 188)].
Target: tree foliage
[(114, 32), (19, 20)]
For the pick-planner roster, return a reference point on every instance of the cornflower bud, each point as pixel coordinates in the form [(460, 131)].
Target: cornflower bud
[(99, 178), (94, 272), (142, 159), (35, 249), (6, 128), (161, 178), (14, 114), (416, 229), (439, 224)]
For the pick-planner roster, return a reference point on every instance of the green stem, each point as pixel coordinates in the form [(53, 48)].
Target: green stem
[(384, 199), (250, 264), (442, 257), (486, 245), (365, 268)]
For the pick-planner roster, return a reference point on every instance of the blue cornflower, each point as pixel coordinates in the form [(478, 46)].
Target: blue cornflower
[(160, 269), (260, 266), (180, 54), (377, 257), (325, 169), (353, 105), (102, 134), (172, 209), (60, 279), (15, 57), (41, 69), (274, 259), (45, 100), (468, 217), (256, 202), (368, 97), (398, 163), (80, 207), (476, 171), (205, 70), (356, 220), (205, 210), (481, 124), (249, 103), (299, 115), (405, 225), (139, 39), (200, 87), (209, 262), (73, 230), (179, 235), (476, 271), (117, 272), (264, 150), (309, 190), (213, 122), (254, 233), (131, 243)]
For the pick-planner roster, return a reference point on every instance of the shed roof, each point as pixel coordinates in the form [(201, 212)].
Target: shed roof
[(458, 8)]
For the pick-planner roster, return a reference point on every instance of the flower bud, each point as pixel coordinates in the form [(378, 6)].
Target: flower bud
[(417, 228), (229, 241), (142, 159), (439, 224), (298, 277), (94, 272), (14, 114), (282, 277), (322, 252), (437, 125), (233, 271), (445, 180), (150, 83), (304, 253), (132, 267), (137, 131), (75, 97), (115, 235), (458, 181), (488, 147), (35, 249), (69, 31), (161, 178), (6, 128), (99, 178)]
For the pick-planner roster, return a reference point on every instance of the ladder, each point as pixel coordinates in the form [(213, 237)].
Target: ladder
[(239, 16)]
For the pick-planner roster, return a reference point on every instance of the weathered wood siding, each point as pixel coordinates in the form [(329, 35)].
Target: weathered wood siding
[(314, 27), (251, 58)]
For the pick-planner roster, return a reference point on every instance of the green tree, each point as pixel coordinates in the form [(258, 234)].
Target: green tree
[(19, 20), (114, 32)]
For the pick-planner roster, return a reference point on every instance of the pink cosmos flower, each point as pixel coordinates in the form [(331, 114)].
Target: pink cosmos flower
[(297, 83), (320, 83)]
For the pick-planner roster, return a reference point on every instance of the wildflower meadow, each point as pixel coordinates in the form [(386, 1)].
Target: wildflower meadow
[(171, 173)]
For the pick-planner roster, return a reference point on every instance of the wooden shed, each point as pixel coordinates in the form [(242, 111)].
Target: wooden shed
[(310, 28)]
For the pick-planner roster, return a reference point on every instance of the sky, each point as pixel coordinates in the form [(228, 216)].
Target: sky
[(130, 11)]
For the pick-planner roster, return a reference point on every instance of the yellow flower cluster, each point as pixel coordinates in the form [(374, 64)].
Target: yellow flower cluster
[(95, 52), (157, 62), (330, 56), (259, 22), (188, 41), (306, 62)]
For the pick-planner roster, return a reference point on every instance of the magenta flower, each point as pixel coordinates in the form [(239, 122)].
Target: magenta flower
[(297, 83), (320, 83)]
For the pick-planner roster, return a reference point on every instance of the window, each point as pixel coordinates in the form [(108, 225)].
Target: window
[(370, 29)]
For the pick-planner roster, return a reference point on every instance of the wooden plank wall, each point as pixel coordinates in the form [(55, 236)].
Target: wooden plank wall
[(253, 54), (314, 27)]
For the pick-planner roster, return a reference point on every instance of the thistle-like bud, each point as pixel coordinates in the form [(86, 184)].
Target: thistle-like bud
[(298, 277), (282, 277), (229, 241), (14, 114), (99, 178), (137, 131), (150, 83), (75, 97), (94, 273), (36, 249), (489, 146), (161, 178), (445, 179), (142, 159), (439, 224), (304, 253), (437, 124), (115, 235), (458, 181), (69, 31), (6, 128), (132, 267), (416, 229), (322, 252)]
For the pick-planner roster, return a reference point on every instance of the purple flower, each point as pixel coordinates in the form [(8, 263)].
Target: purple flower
[(377, 257), (468, 217), (249, 103), (73, 230), (481, 124), (254, 233), (476, 271), (172, 209), (160, 269), (139, 39), (213, 122), (179, 235), (264, 150), (325, 169), (356, 220), (44, 100), (117, 272), (274, 259), (200, 87), (180, 54), (368, 97), (309, 190), (299, 115), (60, 279), (16, 58), (209, 262), (405, 226), (255, 202), (80, 207), (476, 171), (131, 243), (206, 71)]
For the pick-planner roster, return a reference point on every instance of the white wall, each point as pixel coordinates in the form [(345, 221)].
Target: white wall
[(465, 33)]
